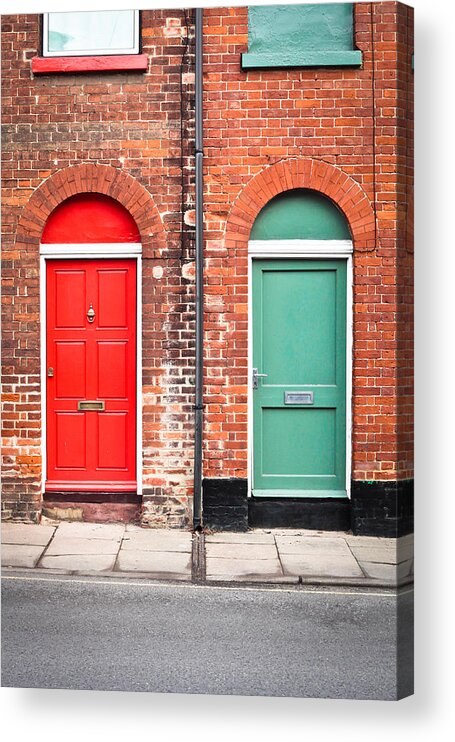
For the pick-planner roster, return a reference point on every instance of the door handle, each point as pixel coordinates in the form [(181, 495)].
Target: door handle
[(256, 377)]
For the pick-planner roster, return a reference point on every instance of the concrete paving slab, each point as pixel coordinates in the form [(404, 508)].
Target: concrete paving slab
[(80, 562), (248, 537), (386, 572), (21, 555), (389, 572), (27, 534), (407, 539), (61, 546), (90, 530), (289, 532), (378, 554), (308, 545), (251, 552), (370, 540), (320, 565), (405, 569), (238, 569), (405, 549), (150, 539), (160, 564)]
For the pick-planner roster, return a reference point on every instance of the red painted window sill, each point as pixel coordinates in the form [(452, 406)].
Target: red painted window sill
[(114, 63)]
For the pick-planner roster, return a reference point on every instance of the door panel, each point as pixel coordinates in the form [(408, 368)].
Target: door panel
[(91, 361), (112, 369), (70, 300), (69, 370), (285, 430), (113, 298), (299, 341), (70, 426)]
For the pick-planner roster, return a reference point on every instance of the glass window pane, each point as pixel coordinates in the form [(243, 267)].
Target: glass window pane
[(97, 32)]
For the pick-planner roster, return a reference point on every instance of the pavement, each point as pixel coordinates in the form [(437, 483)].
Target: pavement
[(264, 556)]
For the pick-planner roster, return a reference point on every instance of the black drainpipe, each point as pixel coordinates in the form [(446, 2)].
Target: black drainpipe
[(198, 407)]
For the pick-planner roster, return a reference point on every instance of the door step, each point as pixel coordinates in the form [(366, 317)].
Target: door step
[(95, 507)]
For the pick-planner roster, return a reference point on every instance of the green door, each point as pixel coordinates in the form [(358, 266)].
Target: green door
[(299, 407)]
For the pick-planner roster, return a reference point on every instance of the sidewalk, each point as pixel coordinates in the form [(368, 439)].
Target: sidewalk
[(275, 556)]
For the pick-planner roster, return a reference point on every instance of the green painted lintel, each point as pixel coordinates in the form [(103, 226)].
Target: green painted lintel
[(339, 494), (341, 58)]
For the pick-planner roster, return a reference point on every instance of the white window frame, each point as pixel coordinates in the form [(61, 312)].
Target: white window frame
[(88, 52)]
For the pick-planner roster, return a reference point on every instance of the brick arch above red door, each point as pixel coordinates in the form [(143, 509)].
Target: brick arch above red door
[(316, 175), (93, 178)]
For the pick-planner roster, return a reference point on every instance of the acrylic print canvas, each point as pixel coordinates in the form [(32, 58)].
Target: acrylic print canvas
[(207, 350)]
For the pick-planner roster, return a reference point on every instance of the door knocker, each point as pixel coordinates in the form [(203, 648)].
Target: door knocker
[(91, 313)]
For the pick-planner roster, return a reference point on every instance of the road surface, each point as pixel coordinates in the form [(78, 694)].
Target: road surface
[(113, 634)]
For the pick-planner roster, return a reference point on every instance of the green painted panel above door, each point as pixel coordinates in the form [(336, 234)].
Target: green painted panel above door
[(299, 343), (306, 35), (300, 214)]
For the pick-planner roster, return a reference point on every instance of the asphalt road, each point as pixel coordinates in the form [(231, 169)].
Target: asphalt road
[(122, 635)]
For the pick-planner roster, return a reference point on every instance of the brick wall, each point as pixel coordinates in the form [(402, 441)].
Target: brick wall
[(345, 132), (131, 124), (270, 125)]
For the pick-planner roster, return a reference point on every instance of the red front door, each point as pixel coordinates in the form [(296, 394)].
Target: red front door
[(91, 375)]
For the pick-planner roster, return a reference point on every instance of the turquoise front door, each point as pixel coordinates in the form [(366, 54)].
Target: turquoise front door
[(299, 378)]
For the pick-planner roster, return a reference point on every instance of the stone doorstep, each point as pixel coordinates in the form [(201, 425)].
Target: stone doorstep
[(26, 534), (21, 555)]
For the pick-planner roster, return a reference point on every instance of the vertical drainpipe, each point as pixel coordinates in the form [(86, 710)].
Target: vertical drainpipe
[(198, 407)]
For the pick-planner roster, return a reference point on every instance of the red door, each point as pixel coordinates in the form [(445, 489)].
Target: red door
[(91, 375)]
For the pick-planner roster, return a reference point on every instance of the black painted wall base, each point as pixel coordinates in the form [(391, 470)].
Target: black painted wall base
[(375, 509), (319, 514), (382, 508), (225, 504)]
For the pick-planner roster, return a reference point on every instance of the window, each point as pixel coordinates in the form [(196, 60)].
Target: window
[(91, 33), (307, 35), (90, 41)]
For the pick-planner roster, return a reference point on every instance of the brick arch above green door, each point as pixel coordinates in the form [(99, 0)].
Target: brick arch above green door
[(300, 214), (315, 175)]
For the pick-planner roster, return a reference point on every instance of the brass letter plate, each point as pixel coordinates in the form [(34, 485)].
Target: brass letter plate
[(91, 404), (298, 398)]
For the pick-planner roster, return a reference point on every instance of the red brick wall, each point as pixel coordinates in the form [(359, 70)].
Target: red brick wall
[(129, 123), (344, 131), (353, 119)]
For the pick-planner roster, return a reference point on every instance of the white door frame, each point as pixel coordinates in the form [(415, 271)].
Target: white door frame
[(304, 249), (95, 251)]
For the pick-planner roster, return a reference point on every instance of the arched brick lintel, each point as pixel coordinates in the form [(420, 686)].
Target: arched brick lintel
[(93, 178), (317, 175)]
